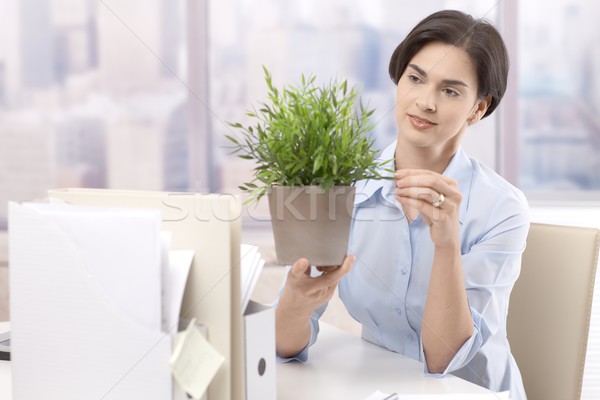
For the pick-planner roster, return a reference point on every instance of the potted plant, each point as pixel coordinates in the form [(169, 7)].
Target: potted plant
[(310, 145)]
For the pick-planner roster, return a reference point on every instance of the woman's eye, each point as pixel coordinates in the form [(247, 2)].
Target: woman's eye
[(451, 92), (414, 78)]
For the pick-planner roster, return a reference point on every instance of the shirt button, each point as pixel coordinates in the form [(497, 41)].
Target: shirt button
[(398, 310), (404, 271)]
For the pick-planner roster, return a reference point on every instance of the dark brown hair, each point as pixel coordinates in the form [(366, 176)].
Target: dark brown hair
[(477, 37)]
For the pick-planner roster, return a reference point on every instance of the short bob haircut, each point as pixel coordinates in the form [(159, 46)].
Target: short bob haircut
[(477, 37)]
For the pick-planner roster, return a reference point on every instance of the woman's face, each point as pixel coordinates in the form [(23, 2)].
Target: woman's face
[(436, 98)]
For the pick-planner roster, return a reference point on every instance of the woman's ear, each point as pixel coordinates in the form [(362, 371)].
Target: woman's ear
[(480, 108)]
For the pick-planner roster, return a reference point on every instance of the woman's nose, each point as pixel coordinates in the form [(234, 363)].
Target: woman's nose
[(426, 102)]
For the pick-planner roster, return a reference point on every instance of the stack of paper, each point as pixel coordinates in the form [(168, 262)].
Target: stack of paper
[(251, 267), (441, 396), (86, 303), (180, 262), (93, 291), (4, 342)]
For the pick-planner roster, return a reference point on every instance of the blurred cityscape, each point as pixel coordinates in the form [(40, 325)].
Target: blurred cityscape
[(93, 94), (559, 96), (89, 96)]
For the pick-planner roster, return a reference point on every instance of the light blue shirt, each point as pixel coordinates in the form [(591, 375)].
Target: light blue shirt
[(387, 286)]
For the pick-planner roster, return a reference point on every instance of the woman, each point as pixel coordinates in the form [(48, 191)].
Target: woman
[(436, 250)]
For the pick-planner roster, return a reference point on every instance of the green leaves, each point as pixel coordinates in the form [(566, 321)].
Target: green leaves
[(308, 135)]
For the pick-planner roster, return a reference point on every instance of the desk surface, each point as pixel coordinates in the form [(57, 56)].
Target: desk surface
[(343, 366), (5, 372)]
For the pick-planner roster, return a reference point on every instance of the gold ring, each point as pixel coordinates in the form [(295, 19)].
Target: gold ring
[(439, 201)]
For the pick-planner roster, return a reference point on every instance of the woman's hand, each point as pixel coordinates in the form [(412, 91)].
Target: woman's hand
[(301, 296), (420, 190)]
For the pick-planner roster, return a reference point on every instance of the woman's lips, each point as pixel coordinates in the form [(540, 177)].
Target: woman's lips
[(419, 122)]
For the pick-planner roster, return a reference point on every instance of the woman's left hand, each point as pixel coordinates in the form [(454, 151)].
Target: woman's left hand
[(437, 199)]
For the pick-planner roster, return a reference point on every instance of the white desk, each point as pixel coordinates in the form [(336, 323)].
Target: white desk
[(5, 381), (5, 372), (343, 366)]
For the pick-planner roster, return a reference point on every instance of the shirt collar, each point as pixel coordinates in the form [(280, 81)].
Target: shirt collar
[(365, 189), (460, 168)]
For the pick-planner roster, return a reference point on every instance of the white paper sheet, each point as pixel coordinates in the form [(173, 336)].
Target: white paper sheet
[(180, 262), (251, 266), (382, 396), (442, 396), (86, 303), (165, 245), (98, 234)]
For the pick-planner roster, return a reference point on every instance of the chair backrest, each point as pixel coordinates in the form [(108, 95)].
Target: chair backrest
[(550, 308)]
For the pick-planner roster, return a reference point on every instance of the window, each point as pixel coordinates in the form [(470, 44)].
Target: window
[(92, 94), (99, 94), (559, 101)]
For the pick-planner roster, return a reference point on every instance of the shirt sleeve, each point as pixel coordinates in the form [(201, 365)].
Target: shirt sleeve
[(468, 349), (491, 267), (314, 331)]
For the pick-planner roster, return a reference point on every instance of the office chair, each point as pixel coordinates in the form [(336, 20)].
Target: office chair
[(550, 306)]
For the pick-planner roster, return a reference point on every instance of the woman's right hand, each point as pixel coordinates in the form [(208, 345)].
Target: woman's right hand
[(301, 296)]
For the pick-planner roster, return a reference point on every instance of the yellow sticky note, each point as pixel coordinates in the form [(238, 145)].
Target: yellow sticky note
[(194, 361)]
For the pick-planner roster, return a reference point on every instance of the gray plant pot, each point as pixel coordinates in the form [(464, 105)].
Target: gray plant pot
[(310, 223)]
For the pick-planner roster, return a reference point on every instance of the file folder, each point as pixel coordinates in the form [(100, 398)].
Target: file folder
[(209, 224), (75, 333), (259, 340)]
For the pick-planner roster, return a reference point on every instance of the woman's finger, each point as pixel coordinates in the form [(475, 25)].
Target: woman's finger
[(420, 193), (437, 183), (300, 267), (420, 177), (333, 276)]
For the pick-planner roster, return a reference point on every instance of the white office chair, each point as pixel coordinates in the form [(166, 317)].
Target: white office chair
[(549, 315)]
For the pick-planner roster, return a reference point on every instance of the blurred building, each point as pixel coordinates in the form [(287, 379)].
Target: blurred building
[(559, 127), (3, 84), (176, 151), (137, 137), (81, 152), (136, 49), (10, 53), (26, 158), (36, 44)]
